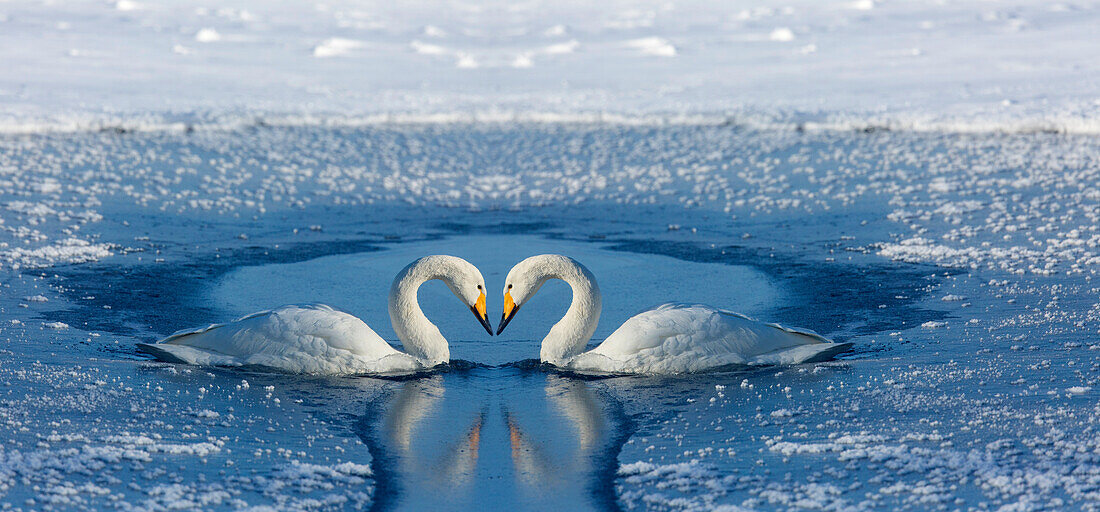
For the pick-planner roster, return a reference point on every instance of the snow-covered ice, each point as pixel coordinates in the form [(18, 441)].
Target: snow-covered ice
[(919, 178), (972, 380), (968, 66)]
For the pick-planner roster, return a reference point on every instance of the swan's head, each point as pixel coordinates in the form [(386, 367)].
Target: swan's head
[(464, 280), (525, 279), (469, 287)]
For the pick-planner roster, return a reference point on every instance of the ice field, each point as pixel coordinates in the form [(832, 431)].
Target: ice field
[(918, 178), (961, 267), (972, 65)]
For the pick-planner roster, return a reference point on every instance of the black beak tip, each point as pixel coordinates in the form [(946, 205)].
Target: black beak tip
[(484, 320), (504, 320)]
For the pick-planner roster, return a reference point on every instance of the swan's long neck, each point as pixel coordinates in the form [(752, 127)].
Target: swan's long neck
[(419, 335), (570, 335)]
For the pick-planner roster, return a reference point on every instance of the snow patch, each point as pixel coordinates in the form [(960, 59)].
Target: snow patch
[(207, 35), (336, 46), (428, 48), (781, 34), (434, 31), (655, 46), (70, 250), (562, 48)]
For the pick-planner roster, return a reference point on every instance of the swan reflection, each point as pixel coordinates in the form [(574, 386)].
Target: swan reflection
[(480, 439), (439, 461), (542, 463)]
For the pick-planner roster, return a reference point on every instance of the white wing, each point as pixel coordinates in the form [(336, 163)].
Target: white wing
[(309, 338), (682, 338)]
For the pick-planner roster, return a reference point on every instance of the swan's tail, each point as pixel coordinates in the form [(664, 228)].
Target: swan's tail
[(183, 354), (159, 351), (829, 352), (809, 353)]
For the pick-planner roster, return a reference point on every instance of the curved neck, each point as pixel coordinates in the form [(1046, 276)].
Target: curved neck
[(420, 337), (570, 335)]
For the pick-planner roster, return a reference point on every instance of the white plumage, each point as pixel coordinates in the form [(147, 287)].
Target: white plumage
[(686, 338), (307, 338), (319, 339), (670, 338)]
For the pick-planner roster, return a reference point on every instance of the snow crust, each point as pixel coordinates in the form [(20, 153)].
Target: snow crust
[(1023, 204), (950, 140), (970, 66), (148, 448)]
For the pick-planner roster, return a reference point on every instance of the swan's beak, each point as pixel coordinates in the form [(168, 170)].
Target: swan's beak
[(510, 309), (481, 314)]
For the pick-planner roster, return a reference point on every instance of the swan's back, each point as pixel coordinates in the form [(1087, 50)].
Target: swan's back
[(308, 338), (680, 338)]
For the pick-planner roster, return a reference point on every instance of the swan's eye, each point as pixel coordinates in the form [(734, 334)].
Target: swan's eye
[(509, 287), (479, 287)]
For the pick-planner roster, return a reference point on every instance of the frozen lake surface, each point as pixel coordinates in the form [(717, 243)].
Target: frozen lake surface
[(968, 66), (960, 266)]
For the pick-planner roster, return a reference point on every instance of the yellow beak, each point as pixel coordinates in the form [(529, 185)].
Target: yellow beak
[(510, 309), (482, 316)]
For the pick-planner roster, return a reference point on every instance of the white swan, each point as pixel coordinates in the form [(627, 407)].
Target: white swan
[(670, 338), (318, 339)]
